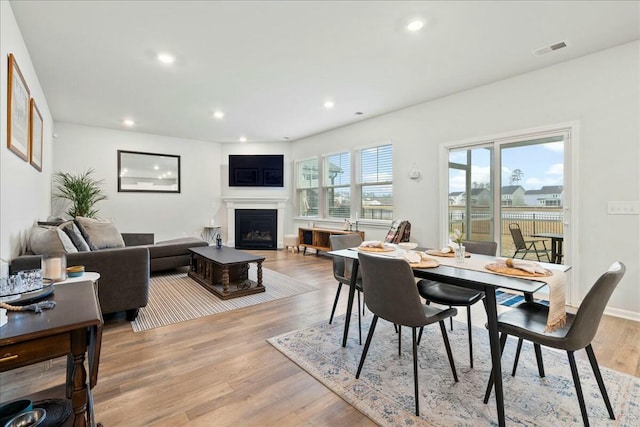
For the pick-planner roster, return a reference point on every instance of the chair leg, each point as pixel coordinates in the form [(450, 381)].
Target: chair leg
[(596, 373), (538, 351), (445, 337), (515, 361), (576, 382), (359, 320), (451, 321), (420, 335), (487, 394), (335, 302), (470, 338), (366, 344), (399, 340), (415, 371)]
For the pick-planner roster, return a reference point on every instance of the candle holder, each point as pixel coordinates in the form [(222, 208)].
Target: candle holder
[(54, 266)]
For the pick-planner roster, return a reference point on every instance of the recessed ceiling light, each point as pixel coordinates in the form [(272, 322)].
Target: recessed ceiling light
[(358, 113), (166, 58), (128, 122), (415, 25), (218, 114), (286, 138), (243, 139), (329, 105)]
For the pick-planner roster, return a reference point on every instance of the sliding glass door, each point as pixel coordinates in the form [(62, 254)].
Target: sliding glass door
[(508, 183)]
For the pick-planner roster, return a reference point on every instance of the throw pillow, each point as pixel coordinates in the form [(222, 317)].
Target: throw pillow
[(45, 240), (71, 229), (102, 233), (85, 235)]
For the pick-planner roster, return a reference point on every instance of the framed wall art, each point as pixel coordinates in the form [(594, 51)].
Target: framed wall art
[(35, 137), (148, 172), (17, 111)]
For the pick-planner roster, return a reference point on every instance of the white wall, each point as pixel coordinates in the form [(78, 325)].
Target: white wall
[(600, 91), (168, 215), (24, 192)]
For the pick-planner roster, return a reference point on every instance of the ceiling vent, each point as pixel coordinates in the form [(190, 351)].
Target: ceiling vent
[(547, 49)]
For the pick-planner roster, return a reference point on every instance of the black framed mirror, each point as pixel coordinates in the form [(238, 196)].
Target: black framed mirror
[(148, 172)]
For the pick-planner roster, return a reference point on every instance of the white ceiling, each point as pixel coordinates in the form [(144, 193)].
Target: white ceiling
[(271, 65)]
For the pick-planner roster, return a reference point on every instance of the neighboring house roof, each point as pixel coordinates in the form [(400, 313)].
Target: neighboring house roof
[(510, 189), (456, 193), (547, 189)]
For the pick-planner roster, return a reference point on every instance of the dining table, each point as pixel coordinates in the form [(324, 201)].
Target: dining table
[(485, 281), (556, 245)]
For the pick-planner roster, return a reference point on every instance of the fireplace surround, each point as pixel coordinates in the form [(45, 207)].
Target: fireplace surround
[(234, 203)]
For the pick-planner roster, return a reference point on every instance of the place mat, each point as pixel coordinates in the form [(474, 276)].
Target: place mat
[(435, 252), (384, 249), (425, 263), (510, 271)]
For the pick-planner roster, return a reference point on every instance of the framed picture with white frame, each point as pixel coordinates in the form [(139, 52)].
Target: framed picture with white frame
[(35, 137)]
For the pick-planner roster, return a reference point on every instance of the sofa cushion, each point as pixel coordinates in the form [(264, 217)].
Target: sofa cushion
[(102, 233), (174, 247), (50, 240), (72, 230)]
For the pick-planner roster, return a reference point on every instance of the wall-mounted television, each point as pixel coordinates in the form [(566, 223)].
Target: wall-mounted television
[(256, 170)]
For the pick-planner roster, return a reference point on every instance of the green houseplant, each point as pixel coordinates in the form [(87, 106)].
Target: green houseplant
[(81, 190)]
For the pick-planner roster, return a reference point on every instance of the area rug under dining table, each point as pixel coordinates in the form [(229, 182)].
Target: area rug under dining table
[(174, 297), (384, 391)]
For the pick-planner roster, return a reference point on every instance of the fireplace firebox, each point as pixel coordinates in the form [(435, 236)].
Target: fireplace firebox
[(256, 228)]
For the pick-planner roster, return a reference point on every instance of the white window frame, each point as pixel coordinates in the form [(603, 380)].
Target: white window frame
[(326, 186), (298, 188), (356, 205)]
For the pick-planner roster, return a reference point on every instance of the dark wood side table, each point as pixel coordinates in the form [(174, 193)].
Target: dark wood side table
[(73, 328)]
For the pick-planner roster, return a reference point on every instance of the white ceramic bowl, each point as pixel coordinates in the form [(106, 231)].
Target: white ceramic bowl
[(407, 246)]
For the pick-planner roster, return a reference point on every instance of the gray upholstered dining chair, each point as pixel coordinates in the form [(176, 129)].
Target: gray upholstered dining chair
[(455, 296), (342, 270), (528, 321), (392, 295)]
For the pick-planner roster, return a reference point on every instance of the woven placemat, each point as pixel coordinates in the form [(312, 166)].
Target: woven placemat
[(499, 268), (383, 249), (425, 263), (435, 252)]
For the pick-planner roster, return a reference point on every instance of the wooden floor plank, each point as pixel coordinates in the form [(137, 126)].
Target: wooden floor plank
[(220, 370)]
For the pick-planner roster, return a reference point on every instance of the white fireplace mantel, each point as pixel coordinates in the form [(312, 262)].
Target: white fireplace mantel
[(234, 203)]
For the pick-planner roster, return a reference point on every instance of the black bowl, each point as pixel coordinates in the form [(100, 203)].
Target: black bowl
[(11, 409), (28, 419)]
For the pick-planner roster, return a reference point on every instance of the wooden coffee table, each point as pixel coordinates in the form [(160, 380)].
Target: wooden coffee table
[(225, 271)]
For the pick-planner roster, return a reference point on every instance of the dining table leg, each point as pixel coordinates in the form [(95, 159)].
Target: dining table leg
[(494, 342), (352, 292)]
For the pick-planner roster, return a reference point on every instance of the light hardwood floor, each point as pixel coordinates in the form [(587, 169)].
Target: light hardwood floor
[(220, 371)]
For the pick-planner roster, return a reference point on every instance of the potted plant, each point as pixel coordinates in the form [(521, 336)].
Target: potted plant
[(82, 191)]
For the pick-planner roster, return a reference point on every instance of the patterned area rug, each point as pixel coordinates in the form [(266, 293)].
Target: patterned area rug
[(174, 298), (384, 391)]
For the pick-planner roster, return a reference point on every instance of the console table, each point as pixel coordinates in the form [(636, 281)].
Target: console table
[(73, 328), (318, 238)]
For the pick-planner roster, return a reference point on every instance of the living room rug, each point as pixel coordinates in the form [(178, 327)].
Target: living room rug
[(175, 297), (384, 392)]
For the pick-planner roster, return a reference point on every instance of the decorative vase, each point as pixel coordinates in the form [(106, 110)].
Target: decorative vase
[(459, 251)]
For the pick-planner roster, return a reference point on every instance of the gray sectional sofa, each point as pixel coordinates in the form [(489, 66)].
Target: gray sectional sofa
[(124, 272)]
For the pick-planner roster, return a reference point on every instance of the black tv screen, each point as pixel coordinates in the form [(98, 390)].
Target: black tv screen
[(256, 170)]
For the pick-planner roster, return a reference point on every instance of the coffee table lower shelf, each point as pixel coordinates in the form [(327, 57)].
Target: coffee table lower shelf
[(234, 290)]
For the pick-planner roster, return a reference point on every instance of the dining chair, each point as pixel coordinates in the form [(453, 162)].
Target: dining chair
[(342, 270), (528, 321), (455, 296), (391, 293), (525, 247)]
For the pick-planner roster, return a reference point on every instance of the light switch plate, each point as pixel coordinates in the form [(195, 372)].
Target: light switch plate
[(623, 207)]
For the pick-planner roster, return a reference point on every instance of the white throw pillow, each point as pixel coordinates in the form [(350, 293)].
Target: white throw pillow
[(50, 240)]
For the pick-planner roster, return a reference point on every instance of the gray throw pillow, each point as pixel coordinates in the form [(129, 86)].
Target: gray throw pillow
[(50, 240), (71, 229), (102, 233)]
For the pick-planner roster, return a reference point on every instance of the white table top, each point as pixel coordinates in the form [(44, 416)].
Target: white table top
[(86, 276)]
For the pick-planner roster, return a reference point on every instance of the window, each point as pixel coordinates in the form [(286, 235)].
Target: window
[(307, 187), (375, 185), (337, 185)]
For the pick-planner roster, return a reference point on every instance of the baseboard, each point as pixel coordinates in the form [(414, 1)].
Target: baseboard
[(625, 314)]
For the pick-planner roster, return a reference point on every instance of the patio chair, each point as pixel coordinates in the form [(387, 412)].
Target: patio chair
[(525, 247), (528, 321)]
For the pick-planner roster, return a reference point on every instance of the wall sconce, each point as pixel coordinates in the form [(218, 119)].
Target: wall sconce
[(414, 173)]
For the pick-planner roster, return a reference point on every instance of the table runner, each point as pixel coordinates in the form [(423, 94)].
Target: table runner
[(557, 316)]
